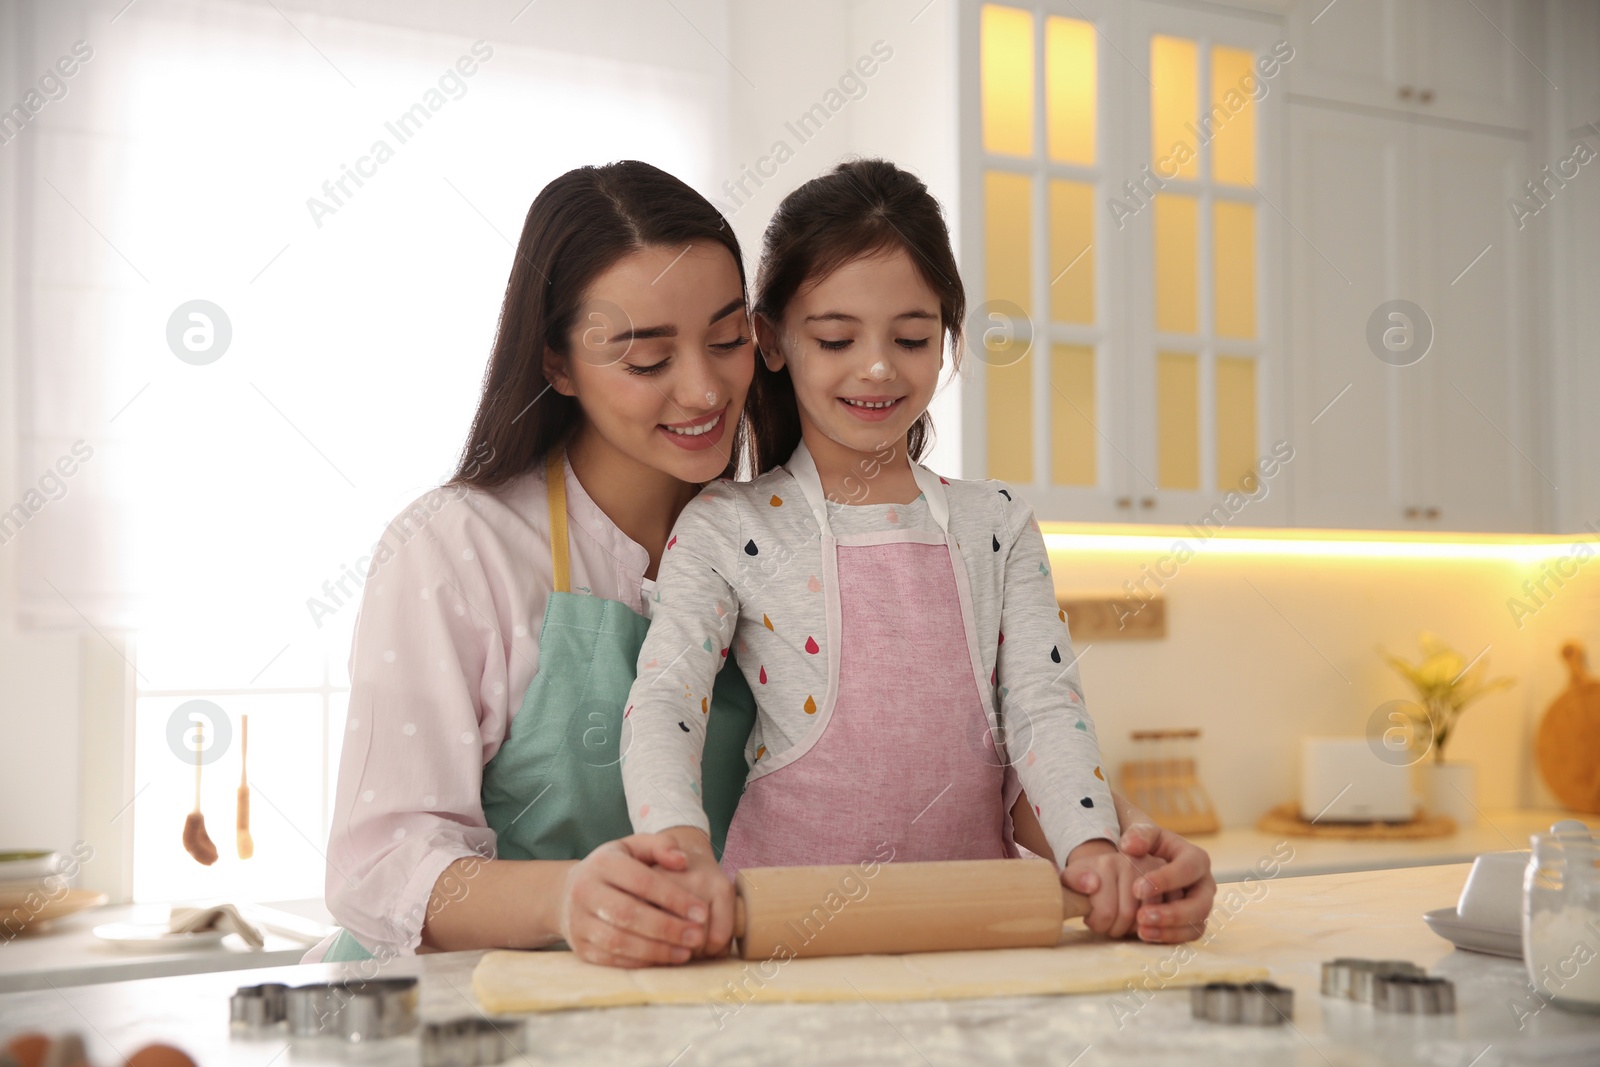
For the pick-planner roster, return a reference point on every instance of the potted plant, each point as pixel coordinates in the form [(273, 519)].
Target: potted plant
[(1445, 683)]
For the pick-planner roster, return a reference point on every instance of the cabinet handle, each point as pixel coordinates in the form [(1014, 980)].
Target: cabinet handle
[(1405, 92), (1430, 513), (1124, 501), (1412, 513), (1426, 96), (1147, 502)]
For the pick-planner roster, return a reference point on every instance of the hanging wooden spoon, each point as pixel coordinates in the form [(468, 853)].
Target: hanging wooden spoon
[(196, 841), (247, 847)]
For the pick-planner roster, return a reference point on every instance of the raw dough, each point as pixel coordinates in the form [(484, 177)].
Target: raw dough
[(1082, 963)]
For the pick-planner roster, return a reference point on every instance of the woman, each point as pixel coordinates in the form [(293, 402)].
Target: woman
[(494, 650)]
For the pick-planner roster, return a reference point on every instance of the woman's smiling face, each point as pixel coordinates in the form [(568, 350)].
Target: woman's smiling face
[(660, 358)]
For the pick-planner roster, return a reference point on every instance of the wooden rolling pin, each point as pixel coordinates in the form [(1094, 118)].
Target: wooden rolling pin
[(901, 907)]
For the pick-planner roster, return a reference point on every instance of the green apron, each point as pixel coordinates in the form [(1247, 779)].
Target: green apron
[(553, 791)]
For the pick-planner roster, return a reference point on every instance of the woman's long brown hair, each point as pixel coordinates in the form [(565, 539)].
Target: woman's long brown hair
[(578, 227), (859, 208)]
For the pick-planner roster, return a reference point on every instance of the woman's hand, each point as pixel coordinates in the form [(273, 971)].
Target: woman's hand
[(1107, 877), (703, 877), (1177, 897), (622, 908)]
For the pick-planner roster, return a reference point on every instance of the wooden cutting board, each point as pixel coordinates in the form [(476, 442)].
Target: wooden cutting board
[(1568, 745), (35, 909)]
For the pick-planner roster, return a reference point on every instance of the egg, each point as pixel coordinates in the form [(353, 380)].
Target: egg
[(160, 1056), (28, 1049)]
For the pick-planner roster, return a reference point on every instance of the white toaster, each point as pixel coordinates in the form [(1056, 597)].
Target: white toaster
[(1343, 780)]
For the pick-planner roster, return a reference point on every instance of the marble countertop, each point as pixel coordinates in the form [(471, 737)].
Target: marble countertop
[(1288, 924), (66, 953)]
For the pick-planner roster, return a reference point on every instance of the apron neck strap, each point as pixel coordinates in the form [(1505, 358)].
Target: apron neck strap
[(804, 470), (555, 483)]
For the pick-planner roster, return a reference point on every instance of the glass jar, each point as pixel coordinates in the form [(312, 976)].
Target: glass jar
[(1561, 919)]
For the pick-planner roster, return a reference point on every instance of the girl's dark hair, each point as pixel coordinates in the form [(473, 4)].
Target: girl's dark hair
[(860, 208), (578, 227)]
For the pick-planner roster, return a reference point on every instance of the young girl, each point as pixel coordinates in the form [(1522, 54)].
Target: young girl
[(911, 668)]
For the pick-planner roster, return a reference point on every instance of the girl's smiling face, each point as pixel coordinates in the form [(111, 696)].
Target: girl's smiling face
[(659, 359), (864, 347)]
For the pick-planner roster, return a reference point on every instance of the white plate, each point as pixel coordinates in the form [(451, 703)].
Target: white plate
[(155, 937), (1448, 925)]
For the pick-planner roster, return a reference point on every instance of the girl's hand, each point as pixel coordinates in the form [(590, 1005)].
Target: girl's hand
[(1180, 893), (620, 907), (1106, 876), (704, 878)]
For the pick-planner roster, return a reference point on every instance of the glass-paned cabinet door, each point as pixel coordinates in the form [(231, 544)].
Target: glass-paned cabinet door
[(1043, 397), (1201, 217)]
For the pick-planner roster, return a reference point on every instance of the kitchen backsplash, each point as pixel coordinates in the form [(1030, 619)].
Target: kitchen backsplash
[(1264, 649)]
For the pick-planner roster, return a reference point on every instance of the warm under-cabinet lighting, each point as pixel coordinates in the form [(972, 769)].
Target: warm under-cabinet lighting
[(1374, 544)]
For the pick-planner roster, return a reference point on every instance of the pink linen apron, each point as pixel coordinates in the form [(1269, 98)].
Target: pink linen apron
[(903, 756)]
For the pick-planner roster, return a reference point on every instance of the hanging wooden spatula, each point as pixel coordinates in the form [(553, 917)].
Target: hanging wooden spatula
[(196, 841), (247, 847)]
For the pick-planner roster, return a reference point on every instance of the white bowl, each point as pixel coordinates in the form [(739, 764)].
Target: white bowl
[(1492, 897), (32, 865)]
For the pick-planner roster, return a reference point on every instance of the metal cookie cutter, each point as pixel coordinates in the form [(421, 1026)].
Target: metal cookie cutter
[(471, 1041), (1414, 994), (355, 1010), (1353, 978), (1251, 1003), (306, 1009), (258, 1007)]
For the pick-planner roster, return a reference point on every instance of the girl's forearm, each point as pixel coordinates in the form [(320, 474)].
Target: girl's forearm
[(1027, 832), (479, 903)]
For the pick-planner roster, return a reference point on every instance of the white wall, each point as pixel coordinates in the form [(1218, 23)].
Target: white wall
[(39, 778), (903, 112), (65, 695), (39, 682)]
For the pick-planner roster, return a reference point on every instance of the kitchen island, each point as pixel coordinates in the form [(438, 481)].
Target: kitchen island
[(1290, 925)]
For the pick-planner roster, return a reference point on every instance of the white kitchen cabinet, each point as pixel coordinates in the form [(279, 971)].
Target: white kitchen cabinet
[(1481, 467), (1347, 257), (1350, 50), (1390, 139), (1386, 209), (1472, 60), (1576, 28), (1571, 223), (1086, 389), (1467, 60), (1206, 396)]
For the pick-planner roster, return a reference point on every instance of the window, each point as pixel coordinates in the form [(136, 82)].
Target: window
[(219, 154)]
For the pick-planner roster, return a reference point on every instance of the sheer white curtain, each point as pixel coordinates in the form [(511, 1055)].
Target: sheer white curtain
[(348, 194)]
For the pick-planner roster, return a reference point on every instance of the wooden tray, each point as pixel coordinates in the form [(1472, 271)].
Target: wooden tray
[(1285, 819)]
